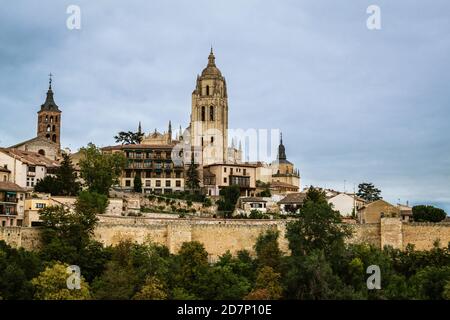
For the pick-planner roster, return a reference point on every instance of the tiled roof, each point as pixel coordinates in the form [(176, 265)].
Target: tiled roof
[(30, 158), (253, 199), (10, 186), (4, 170), (138, 146), (293, 198)]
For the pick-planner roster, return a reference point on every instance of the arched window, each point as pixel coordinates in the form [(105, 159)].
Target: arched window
[(54, 128), (211, 113), (212, 140), (46, 118), (41, 152), (203, 114), (51, 119), (49, 128), (207, 90), (54, 138), (56, 119), (47, 136)]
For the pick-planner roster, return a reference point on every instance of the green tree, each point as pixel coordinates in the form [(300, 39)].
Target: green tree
[(430, 283), (129, 137), (424, 213), (192, 176), (18, 268), (190, 265), (267, 250), (137, 185), (319, 227), (100, 170), (90, 204), (315, 195), (229, 197), (152, 289), (51, 284), (66, 234), (49, 184), (64, 183), (68, 177), (267, 286), (368, 192)]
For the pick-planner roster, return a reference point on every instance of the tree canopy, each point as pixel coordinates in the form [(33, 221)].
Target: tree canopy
[(129, 137), (368, 192), (63, 183), (100, 170), (424, 213)]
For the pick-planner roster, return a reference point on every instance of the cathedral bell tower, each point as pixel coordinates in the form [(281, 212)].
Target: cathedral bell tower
[(209, 114), (49, 118)]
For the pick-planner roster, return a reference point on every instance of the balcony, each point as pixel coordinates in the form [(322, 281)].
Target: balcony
[(8, 210)]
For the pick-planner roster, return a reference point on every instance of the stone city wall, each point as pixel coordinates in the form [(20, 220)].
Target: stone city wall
[(219, 236)]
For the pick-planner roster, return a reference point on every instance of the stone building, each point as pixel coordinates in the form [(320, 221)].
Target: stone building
[(48, 139), (153, 164), (219, 175), (26, 167), (12, 199), (284, 170), (374, 211), (209, 114)]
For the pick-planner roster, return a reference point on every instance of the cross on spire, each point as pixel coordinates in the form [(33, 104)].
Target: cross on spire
[(50, 81)]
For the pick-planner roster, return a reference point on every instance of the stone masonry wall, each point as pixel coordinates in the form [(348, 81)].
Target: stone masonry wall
[(219, 236)]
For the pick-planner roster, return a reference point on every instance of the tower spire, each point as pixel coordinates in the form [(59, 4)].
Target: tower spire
[(170, 131), (50, 81), (139, 128)]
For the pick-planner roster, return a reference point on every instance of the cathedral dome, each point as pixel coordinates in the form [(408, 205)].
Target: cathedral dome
[(211, 71)]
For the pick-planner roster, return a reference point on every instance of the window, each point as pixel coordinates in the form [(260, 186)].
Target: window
[(158, 183), (212, 140), (128, 174), (54, 138), (40, 205), (148, 174), (207, 90), (127, 183), (203, 114), (167, 183), (56, 119), (49, 128), (148, 183), (211, 113), (41, 152), (202, 141), (245, 172), (224, 169), (224, 180), (178, 183)]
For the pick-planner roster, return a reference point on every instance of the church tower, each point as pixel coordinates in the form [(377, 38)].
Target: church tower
[(209, 114), (49, 119)]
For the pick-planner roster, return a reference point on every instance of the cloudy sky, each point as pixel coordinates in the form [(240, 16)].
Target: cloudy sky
[(353, 104)]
